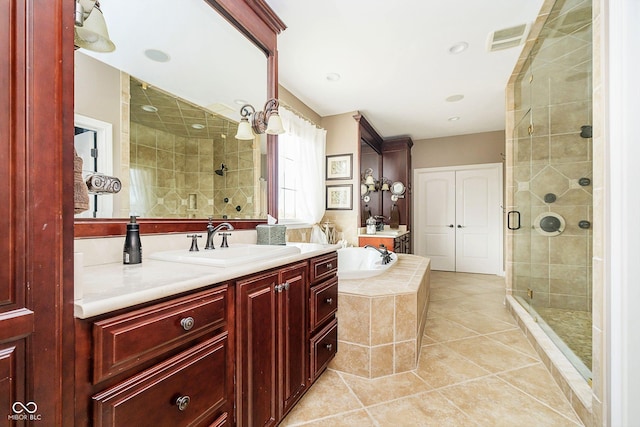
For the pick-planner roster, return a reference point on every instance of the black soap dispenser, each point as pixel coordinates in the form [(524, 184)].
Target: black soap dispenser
[(132, 253)]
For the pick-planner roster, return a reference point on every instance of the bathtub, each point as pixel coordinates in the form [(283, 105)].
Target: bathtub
[(360, 263), (382, 318)]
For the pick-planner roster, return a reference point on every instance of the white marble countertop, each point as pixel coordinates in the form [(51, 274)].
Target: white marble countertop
[(386, 232), (110, 287)]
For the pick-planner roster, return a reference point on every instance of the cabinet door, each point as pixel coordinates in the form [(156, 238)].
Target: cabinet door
[(256, 361), (292, 338)]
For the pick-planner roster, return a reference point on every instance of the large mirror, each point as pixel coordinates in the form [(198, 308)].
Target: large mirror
[(162, 111)]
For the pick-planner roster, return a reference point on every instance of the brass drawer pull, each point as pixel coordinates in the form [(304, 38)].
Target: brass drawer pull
[(183, 402), (329, 301), (328, 346), (187, 323), (329, 265)]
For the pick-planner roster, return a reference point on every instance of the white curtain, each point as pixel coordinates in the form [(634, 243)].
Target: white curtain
[(307, 144)]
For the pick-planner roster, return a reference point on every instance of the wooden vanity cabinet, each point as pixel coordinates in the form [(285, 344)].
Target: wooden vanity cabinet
[(323, 303), (272, 355), (166, 364), (399, 244)]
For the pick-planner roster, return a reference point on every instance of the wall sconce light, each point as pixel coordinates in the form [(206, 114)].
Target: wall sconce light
[(369, 180), (384, 184), (267, 121), (90, 30)]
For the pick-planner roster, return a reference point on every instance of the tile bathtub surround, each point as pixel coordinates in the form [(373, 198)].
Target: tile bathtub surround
[(382, 319), (476, 368)]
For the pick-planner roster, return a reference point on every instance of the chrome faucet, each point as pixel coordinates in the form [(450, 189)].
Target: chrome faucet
[(384, 253), (211, 231)]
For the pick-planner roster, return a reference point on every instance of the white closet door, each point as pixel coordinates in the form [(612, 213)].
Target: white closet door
[(458, 218), (478, 216), (435, 232)]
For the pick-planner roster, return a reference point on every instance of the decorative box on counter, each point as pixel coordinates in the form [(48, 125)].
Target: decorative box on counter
[(271, 234)]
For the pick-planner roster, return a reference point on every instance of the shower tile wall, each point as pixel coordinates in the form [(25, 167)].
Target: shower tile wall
[(173, 164), (174, 176), (553, 93)]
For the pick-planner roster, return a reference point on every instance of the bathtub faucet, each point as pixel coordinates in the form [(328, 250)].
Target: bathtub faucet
[(384, 253)]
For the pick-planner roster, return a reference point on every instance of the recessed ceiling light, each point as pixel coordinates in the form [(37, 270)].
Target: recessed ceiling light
[(157, 55), (197, 126), (453, 119), (458, 47), (455, 98), (149, 108), (333, 77)]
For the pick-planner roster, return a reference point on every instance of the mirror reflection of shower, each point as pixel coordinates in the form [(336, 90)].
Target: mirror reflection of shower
[(222, 170)]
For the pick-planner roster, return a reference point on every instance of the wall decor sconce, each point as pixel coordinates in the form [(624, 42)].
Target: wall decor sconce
[(368, 180), (90, 29), (267, 121)]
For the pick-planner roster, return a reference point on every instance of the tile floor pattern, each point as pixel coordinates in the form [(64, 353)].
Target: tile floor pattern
[(476, 368)]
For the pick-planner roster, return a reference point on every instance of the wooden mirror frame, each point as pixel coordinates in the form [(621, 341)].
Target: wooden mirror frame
[(257, 21)]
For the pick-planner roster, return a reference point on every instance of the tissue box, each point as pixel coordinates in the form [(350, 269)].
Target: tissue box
[(271, 234)]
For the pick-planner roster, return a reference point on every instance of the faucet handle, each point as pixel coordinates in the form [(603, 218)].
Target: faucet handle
[(194, 242), (224, 243)]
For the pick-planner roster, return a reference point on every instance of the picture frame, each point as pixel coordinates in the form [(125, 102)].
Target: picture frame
[(339, 166), (339, 197)]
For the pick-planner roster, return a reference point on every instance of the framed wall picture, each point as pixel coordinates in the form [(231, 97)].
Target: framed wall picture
[(340, 197), (340, 166)]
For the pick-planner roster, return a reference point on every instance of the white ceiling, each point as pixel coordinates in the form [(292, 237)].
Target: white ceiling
[(394, 62)]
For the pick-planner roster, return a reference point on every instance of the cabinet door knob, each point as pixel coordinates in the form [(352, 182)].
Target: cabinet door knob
[(286, 286), (183, 402), (328, 346), (460, 226), (329, 301), (187, 323), (450, 225)]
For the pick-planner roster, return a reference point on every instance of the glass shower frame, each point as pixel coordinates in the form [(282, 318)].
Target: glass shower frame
[(552, 172)]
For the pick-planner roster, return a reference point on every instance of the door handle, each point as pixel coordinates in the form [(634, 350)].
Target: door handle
[(517, 217), (450, 225), (460, 226)]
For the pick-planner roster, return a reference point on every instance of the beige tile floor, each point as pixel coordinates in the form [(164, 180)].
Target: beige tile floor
[(476, 368)]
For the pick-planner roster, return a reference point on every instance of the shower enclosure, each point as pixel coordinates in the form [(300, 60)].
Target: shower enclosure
[(550, 216)]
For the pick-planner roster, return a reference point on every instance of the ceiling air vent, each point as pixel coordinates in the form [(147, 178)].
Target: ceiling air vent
[(507, 37)]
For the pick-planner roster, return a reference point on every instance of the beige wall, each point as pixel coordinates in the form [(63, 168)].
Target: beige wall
[(342, 138), (478, 148), (290, 101)]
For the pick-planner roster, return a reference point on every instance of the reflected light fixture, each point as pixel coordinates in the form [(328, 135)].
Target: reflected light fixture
[(370, 181), (90, 28), (267, 121)]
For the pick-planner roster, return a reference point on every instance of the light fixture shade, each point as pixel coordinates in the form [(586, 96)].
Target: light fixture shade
[(274, 126), (369, 180), (93, 34), (244, 130), (385, 186)]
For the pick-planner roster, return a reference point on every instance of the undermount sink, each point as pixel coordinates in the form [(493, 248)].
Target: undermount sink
[(227, 257)]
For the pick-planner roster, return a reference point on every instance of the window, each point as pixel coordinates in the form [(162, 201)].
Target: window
[(300, 170)]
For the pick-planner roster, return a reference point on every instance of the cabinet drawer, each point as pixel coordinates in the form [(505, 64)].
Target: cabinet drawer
[(323, 347), (128, 340), (188, 389), (322, 267), (324, 302)]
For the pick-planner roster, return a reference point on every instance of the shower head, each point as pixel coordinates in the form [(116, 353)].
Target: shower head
[(222, 170)]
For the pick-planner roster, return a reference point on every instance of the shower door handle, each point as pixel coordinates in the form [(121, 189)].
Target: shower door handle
[(516, 225)]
